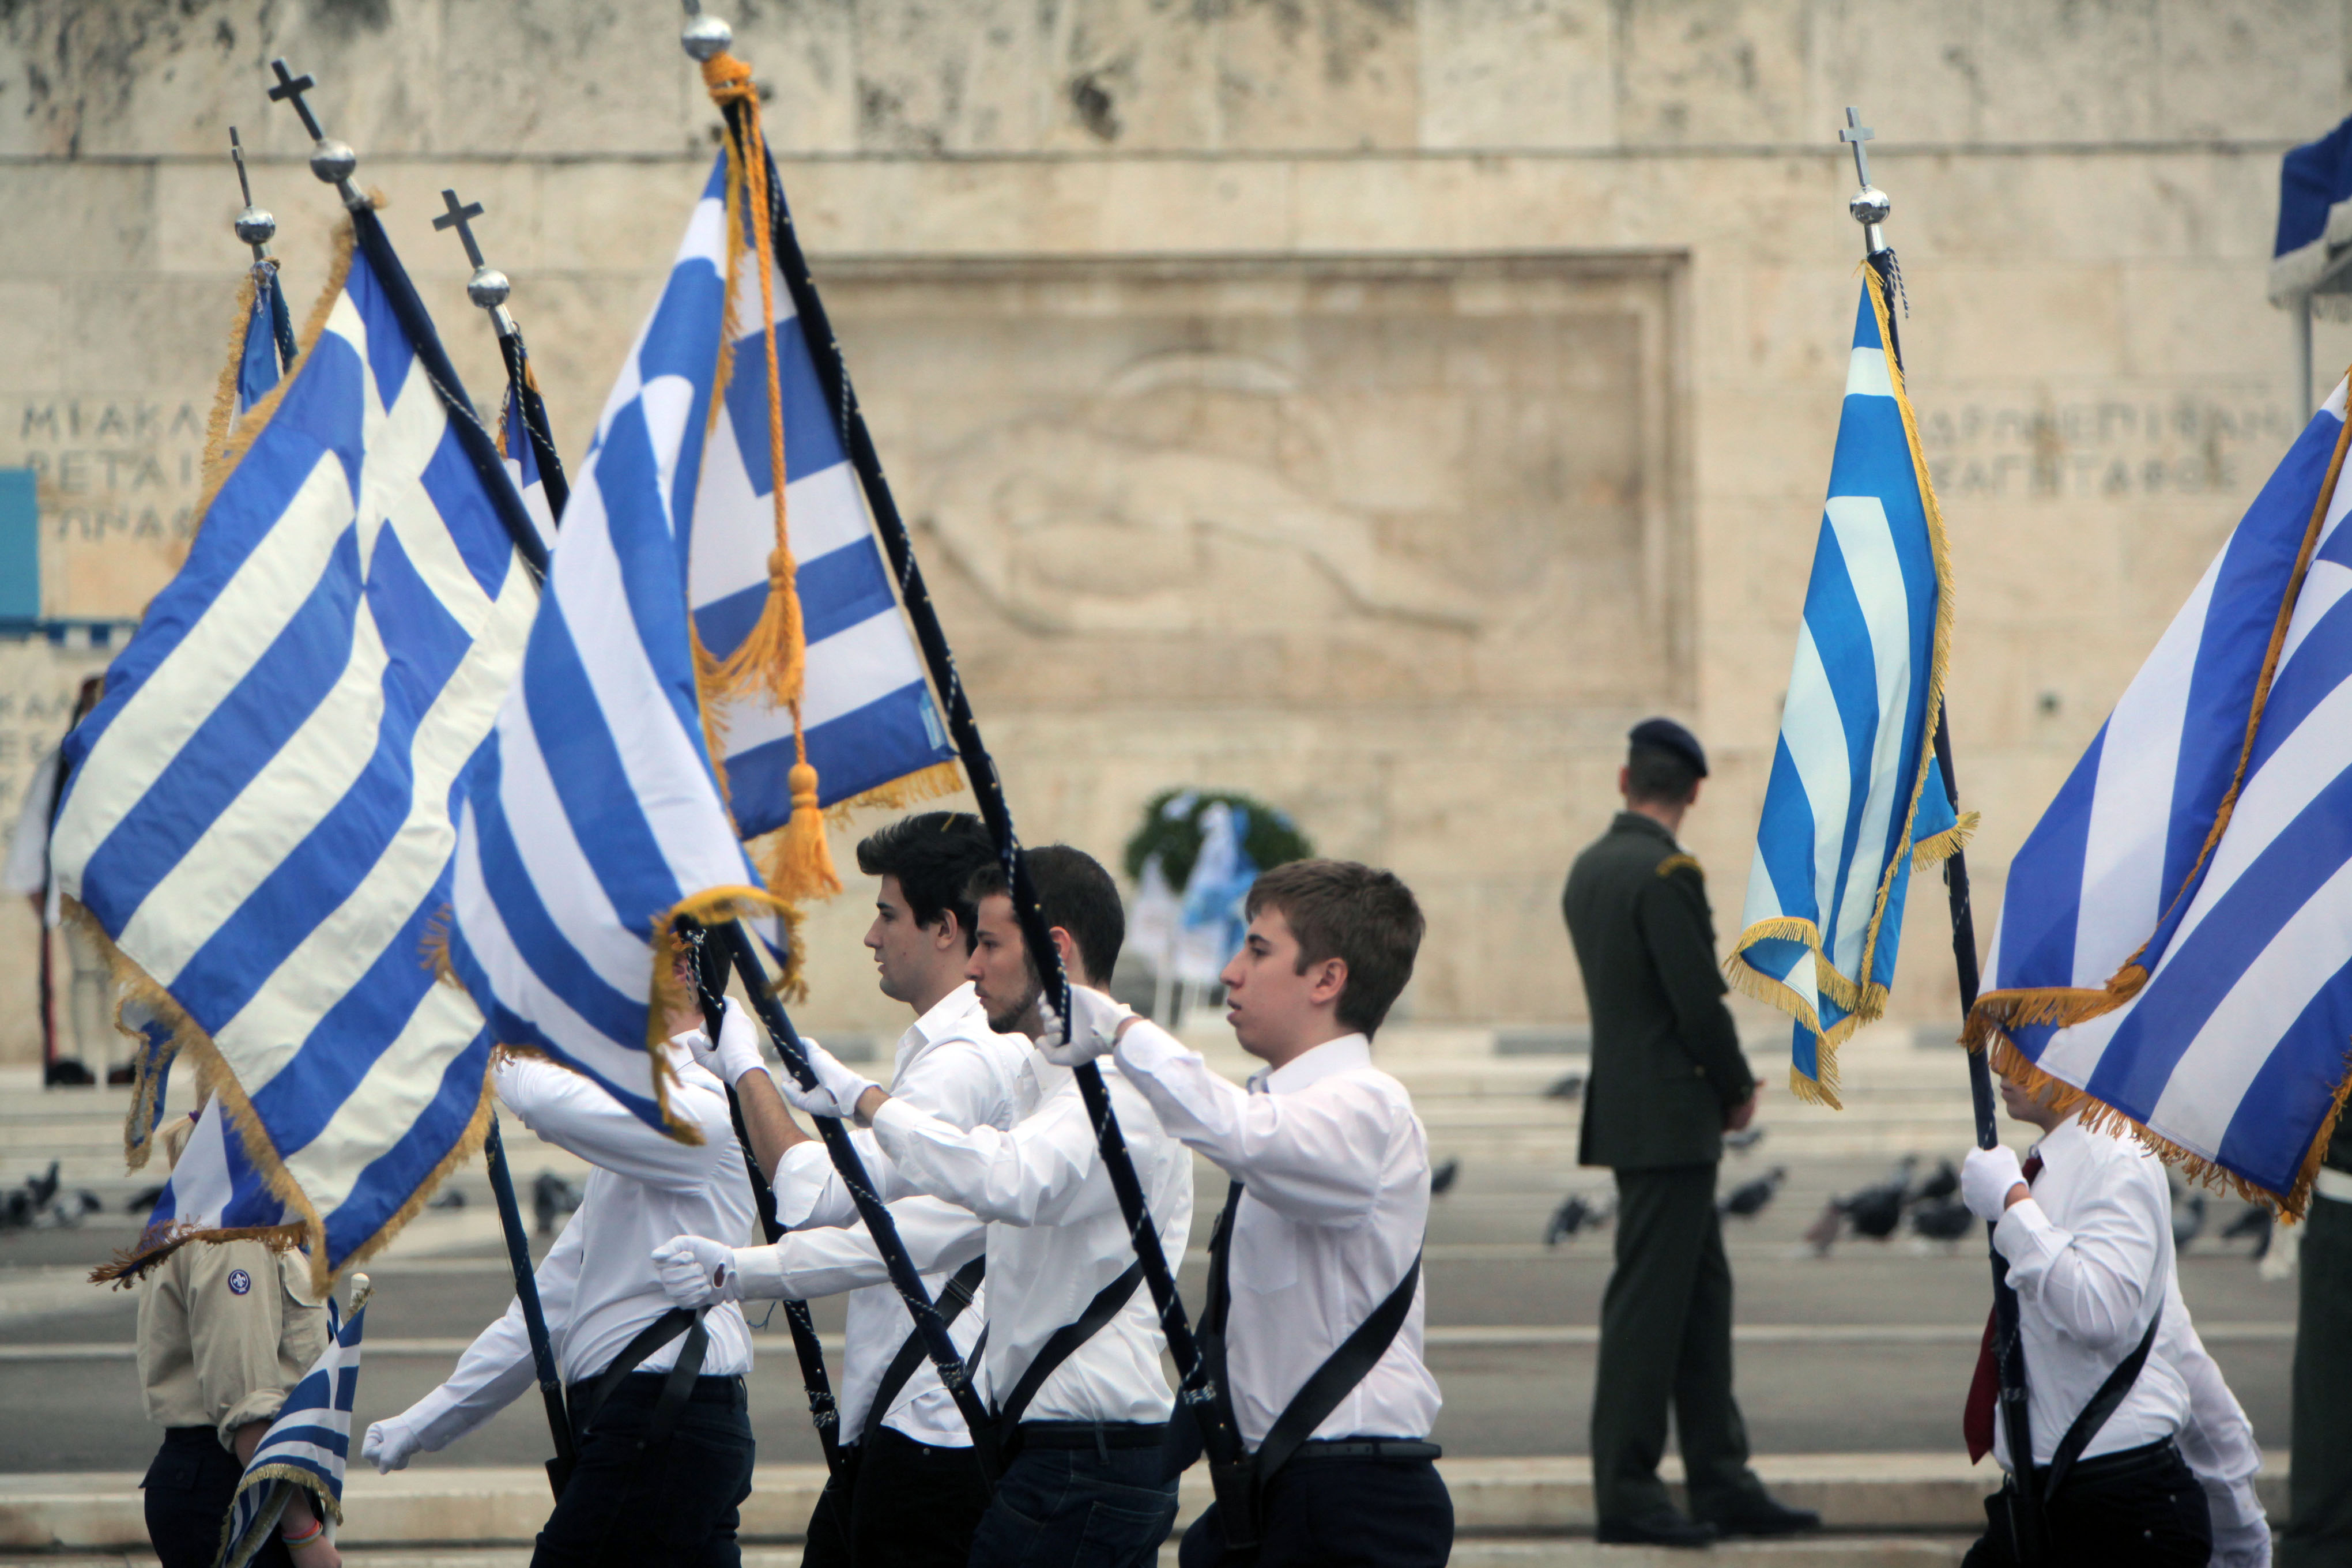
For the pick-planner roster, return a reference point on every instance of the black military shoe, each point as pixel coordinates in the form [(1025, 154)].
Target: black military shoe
[(1659, 1527), (1759, 1514)]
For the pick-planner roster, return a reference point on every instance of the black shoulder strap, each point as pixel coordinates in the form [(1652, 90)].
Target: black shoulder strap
[(677, 1321), (952, 1300), (1065, 1341), (2101, 1405), (1330, 1382)]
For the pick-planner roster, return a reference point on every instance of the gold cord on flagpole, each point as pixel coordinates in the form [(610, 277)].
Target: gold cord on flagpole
[(774, 656)]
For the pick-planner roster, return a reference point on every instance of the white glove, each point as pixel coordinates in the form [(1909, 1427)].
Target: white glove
[(737, 1051), (1986, 1176), (838, 1087), (1098, 1021), (390, 1445), (696, 1271)]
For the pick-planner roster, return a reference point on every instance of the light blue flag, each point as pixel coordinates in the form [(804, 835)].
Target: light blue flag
[(1855, 798), (307, 1445), (2175, 943), (258, 818)]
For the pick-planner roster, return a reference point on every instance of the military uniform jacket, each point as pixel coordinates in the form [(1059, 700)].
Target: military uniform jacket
[(1666, 1064)]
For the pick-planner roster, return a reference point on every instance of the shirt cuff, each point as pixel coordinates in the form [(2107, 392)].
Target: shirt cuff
[(2024, 1236), (798, 1186), (261, 1404), (1146, 1047)]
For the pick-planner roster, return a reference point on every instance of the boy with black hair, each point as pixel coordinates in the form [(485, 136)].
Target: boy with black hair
[(1315, 1303), (907, 1492), (1071, 1367)]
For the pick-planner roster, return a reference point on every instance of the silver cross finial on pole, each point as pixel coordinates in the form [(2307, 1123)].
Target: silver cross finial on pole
[(1870, 204), (332, 161), (489, 286), (704, 37), (253, 224)]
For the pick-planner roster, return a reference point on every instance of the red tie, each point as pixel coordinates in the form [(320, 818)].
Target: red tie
[(1976, 1421)]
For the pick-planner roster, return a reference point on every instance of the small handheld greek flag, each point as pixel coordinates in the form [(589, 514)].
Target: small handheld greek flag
[(2173, 942), (308, 1445), (268, 346), (1855, 798)]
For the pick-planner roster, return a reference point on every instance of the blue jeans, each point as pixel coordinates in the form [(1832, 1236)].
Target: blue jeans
[(1077, 1508)]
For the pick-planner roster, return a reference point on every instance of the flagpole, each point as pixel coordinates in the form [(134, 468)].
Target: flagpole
[(955, 1376), (825, 1415), (334, 162), (1869, 207), (258, 227), (490, 289), (1221, 1443)]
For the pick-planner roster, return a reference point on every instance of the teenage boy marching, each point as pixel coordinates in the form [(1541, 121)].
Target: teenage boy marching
[(1315, 1303)]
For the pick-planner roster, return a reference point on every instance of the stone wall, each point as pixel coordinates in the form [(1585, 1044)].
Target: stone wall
[(1375, 405)]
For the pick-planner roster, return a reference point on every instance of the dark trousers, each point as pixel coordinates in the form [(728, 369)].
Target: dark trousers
[(189, 1488), (634, 1501), (1337, 1513), (897, 1504), (2138, 1509), (1666, 1341), (2318, 1533), (1077, 1508)]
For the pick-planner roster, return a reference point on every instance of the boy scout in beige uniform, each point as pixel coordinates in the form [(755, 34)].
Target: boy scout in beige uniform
[(225, 1329)]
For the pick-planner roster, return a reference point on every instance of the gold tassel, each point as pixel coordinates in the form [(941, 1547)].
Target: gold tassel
[(802, 866)]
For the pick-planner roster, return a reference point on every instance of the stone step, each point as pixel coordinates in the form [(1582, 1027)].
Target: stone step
[(1505, 1502)]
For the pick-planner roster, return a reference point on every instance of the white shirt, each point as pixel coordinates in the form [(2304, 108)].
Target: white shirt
[(1335, 1167), (1055, 1235), (597, 1283), (2090, 1254), (954, 1066)]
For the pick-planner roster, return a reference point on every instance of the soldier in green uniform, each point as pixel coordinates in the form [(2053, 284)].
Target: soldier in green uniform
[(2319, 1486), (1667, 1079)]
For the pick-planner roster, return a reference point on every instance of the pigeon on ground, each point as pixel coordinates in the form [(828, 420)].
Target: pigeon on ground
[(1876, 1211), (551, 1199), (1823, 1234), (1746, 1138), (1748, 1199), (447, 1198), (1442, 1177), (1570, 1087), (142, 1201), (1576, 1212), (1941, 1219), (40, 1189), (1944, 1183)]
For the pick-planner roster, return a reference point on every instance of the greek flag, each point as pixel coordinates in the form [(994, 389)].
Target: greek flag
[(213, 1187), (258, 818), (2175, 945), (268, 344), (1854, 798), (594, 817), (306, 1446), (867, 717)]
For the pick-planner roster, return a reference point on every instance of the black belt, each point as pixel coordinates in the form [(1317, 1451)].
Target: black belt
[(636, 1388), (1366, 1448), (2148, 1457), (1093, 1434)]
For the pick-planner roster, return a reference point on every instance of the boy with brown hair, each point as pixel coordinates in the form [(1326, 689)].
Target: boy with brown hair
[(1315, 1305)]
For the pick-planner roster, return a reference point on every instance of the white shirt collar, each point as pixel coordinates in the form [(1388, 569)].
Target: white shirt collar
[(948, 1012), (1313, 1066)]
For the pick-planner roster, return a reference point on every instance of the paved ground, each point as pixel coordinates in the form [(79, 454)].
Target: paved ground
[(1868, 1350)]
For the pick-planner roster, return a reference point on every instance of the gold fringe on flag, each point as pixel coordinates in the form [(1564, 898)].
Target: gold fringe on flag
[(773, 659)]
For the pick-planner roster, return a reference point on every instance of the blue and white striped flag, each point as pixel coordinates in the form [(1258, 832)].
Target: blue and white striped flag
[(595, 818), (308, 1445), (1854, 797), (865, 713), (257, 820), (215, 1189), (522, 467), (2175, 945), (266, 327)]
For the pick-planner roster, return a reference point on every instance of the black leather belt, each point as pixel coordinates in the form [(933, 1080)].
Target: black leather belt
[(1366, 1448), (638, 1386), (1092, 1434)]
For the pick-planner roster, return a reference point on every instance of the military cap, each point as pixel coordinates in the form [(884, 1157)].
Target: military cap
[(1668, 736)]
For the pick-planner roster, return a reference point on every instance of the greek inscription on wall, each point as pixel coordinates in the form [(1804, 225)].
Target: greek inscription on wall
[(117, 475), (2188, 443)]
